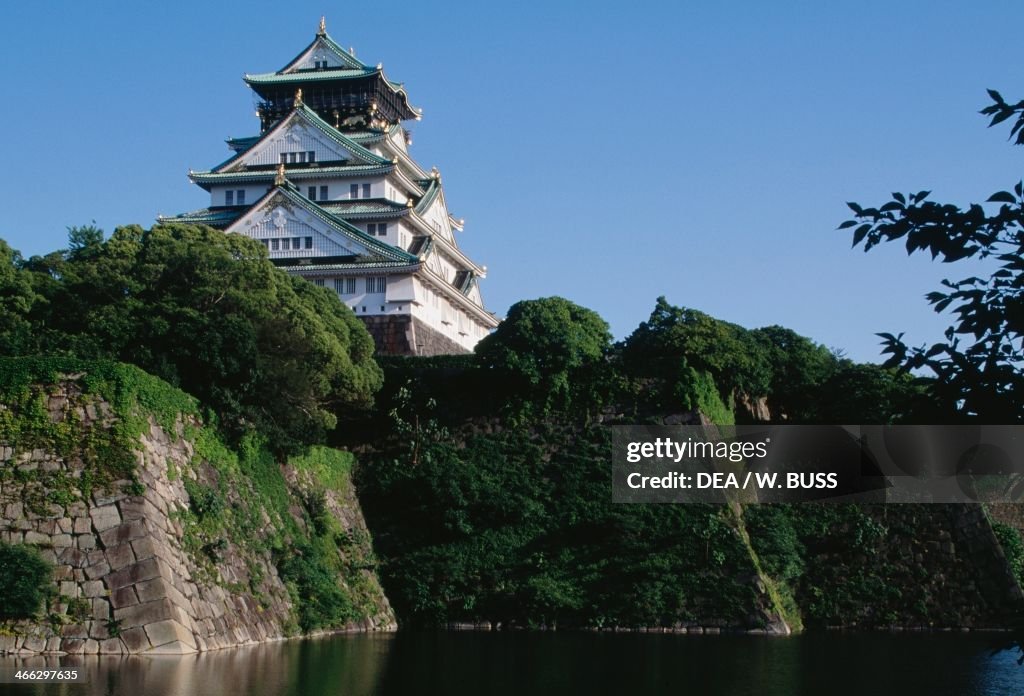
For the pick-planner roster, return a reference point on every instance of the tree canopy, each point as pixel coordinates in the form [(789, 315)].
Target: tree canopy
[(547, 346), (204, 310)]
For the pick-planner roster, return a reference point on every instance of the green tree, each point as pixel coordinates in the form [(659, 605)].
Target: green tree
[(17, 298), (977, 367), (799, 367), (208, 312), (24, 581), (552, 351), (675, 340)]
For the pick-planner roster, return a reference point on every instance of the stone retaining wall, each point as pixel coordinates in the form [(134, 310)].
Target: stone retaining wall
[(124, 582)]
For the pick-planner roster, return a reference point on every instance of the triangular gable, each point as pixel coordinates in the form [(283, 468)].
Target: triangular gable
[(302, 131), (323, 49), (284, 214), (432, 209)]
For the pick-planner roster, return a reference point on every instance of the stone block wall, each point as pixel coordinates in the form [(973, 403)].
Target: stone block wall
[(406, 335), (124, 581)]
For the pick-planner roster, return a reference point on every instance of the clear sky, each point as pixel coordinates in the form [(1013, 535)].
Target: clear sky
[(608, 152)]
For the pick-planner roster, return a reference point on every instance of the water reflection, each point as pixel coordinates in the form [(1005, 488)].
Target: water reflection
[(565, 663)]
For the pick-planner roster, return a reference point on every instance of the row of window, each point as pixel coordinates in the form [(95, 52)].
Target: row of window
[(237, 197), (380, 229), (288, 243), (347, 286), (300, 157)]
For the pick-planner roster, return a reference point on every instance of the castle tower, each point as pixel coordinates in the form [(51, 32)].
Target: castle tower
[(330, 188)]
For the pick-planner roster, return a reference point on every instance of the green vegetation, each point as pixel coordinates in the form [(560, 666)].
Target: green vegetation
[(485, 477), (202, 310), (242, 498), (239, 497), (517, 527), (498, 510), (105, 449), (548, 350), (1013, 547), (24, 581)]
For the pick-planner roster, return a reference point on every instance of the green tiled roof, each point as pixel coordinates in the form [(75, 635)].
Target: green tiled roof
[(365, 208), (368, 136), (214, 217), (422, 246), (464, 281), (242, 144), (306, 76), (341, 266), (208, 178), (433, 188)]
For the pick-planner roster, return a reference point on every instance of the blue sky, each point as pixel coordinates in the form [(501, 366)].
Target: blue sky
[(605, 152)]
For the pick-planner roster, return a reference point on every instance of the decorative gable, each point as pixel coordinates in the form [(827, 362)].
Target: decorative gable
[(278, 218), (295, 139), (302, 132), (303, 230), (323, 54)]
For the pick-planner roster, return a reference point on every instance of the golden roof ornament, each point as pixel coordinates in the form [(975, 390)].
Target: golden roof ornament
[(408, 203), (279, 179), (298, 97), (323, 26), (435, 173)]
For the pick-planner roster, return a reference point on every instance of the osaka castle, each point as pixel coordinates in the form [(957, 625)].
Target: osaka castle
[(329, 187)]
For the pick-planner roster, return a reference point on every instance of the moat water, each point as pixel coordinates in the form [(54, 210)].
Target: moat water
[(464, 664)]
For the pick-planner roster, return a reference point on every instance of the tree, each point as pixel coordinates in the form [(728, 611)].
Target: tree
[(799, 367), (24, 581), (726, 351), (978, 368), (550, 348), (207, 312)]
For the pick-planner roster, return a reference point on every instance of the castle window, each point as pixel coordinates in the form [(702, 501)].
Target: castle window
[(229, 198), (275, 244), (382, 229), (353, 191), (312, 193), (318, 281), (309, 242), (240, 197), (376, 284), (323, 191), (284, 158), (296, 242), (366, 190), (311, 156), (286, 244)]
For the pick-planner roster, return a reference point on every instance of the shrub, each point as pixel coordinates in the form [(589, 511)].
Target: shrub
[(24, 581)]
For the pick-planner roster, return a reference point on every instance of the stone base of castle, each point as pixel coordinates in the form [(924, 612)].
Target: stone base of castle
[(406, 335)]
